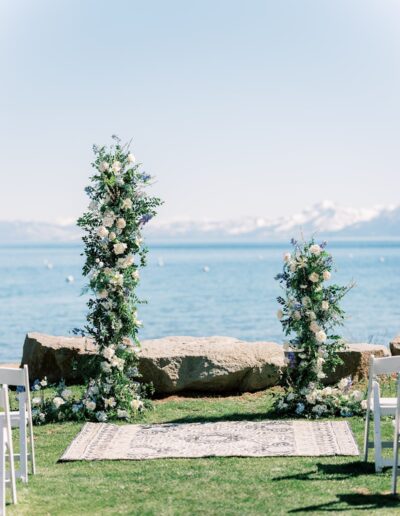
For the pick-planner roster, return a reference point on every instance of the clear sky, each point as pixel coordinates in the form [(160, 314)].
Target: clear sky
[(240, 108)]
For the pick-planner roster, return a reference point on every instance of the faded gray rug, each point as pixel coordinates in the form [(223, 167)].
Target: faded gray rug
[(102, 441)]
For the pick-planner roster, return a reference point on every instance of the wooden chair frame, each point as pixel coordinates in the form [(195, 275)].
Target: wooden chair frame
[(21, 419)]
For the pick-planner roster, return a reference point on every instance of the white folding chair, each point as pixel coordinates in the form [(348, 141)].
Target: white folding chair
[(379, 407), (22, 418), (6, 450), (396, 440)]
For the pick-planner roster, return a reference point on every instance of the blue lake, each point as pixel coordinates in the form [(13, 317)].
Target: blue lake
[(236, 297)]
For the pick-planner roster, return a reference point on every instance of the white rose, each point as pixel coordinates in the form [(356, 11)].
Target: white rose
[(311, 397), (90, 405), (57, 402), (327, 391), (325, 305), (108, 353), (293, 267), (287, 257), (110, 402), (124, 263), (136, 404), (112, 236), (127, 204), (121, 223), (120, 248), (313, 277), (135, 275), (103, 294), (138, 240), (311, 315), (315, 249), (36, 401), (102, 232), (104, 166), (306, 301), (108, 221), (326, 275), (116, 166), (105, 367), (117, 279), (314, 327), (321, 336), (297, 315), (131, 158), (118, 363), (343, 383)]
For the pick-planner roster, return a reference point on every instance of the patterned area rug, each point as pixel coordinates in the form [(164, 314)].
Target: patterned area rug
[(102, 441)]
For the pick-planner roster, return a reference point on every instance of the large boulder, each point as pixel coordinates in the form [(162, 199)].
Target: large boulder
[(176, 364), (356, 361), (210, 364), (57, 358), (395, 346)]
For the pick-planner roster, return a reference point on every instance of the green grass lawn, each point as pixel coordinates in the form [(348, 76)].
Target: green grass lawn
[(225, 486)]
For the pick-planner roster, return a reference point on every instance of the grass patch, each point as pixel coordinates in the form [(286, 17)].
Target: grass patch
[(228, 486)]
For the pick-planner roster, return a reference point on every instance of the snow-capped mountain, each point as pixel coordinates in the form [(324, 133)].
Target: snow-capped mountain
[(325, 219)]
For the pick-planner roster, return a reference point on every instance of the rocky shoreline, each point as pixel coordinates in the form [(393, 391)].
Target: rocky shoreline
[(197, 364)]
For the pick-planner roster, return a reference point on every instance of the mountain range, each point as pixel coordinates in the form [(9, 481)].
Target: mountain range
[(325, 219)]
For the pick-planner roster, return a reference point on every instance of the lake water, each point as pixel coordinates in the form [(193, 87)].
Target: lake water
[(236, 297)]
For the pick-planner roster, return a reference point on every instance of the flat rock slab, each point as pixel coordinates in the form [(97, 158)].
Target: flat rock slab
[(356, 361), (178, 364), (210, 364), (57, 358)]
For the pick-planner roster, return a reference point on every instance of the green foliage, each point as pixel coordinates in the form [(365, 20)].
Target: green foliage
[(310, 312), (114, 251)]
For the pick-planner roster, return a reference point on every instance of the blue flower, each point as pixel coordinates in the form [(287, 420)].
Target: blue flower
[(145, 218)]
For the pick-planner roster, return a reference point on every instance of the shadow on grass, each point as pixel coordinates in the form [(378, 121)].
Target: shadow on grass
[(354, 502), (245, 416), (338, 471)]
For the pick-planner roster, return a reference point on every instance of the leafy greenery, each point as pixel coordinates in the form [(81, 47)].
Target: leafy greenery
[(215, 485), (113, 247), (310, 311)]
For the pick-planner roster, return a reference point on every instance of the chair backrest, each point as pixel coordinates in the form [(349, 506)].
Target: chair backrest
[(15, 377), (387, 365)]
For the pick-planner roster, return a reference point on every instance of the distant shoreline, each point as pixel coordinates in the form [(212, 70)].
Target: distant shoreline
[(177, 244)]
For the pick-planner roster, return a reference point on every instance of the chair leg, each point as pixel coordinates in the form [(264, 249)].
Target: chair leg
[(395, 461), (23, 450), (378, 444), (366, 435), (32, 445), (12, 469), (2, 471)]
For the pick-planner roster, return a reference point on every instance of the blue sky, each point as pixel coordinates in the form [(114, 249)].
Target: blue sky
[(255, 108)]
